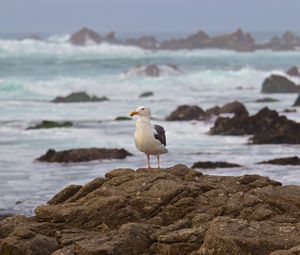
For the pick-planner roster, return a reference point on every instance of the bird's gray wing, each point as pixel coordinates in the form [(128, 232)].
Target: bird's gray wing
[(159, 134)]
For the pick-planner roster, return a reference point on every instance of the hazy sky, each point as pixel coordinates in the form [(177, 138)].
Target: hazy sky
[(148, 15)]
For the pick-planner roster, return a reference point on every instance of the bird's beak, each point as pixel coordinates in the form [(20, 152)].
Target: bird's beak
[(133, 113)]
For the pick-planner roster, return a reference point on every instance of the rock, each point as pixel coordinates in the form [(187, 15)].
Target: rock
[(121, 118), (77, 97), (111, 38), (293, 71), (51, 124), (235, 107), (289, 110), (212, 165), (297, 102), (82, 155), (288, 41), (266, 126), (145, 42), (85, 36), (267, 100), (293, 251), (279, 84), (186, 112), (154, 70), (175, 210), (147, 94), (283, 161)]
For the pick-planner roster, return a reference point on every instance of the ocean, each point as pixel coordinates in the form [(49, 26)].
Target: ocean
[(32, 73)]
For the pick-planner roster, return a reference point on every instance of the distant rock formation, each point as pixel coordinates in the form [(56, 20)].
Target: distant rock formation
[(172, 211), (186, 112), (283, 161), (51, 124), (78, 97), (293, 71), (82, 155), (213, 165), (146, 94), (154, 70), (279, 84), (266, 126), (144, 42), (85, 36), (235, 107)]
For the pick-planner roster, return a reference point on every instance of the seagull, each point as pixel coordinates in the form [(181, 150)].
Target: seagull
[(149, 139)]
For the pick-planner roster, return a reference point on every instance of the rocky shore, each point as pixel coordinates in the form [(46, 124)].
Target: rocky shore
[(176, 210), (238, 40)]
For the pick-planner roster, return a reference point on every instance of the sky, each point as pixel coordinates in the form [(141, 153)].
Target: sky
[(62, 16)]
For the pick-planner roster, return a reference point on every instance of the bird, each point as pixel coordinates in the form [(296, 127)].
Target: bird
[(149, 139)]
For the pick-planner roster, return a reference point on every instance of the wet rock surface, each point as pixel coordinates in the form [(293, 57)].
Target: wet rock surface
[(161, 211), (212, 165), (279, 84), (283, 161), (51, 124), (266, 126), (82, 155), (78, 97)]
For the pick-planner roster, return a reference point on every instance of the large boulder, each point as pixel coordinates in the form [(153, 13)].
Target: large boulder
[(78, 97), (186, 112), (154, 70), (279, 84), (293, 71), (175, 210), (82, 155), (266, 126), (85, 36)]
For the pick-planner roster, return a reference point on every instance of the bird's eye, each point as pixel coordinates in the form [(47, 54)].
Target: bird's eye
[(143, 109)]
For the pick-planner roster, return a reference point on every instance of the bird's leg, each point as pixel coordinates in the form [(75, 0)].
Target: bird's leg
[(158, 161), (148, 159)]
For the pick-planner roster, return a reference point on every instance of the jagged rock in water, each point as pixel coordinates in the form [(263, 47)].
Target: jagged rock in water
[(212, 165), (51, 124), (297, 102), (77, 97), (154, 70), (293, 71), (175, 210), (82, 155), (85, 36), (186, 112), (266, 126), (283, 161), (145, 42), (279, 84)]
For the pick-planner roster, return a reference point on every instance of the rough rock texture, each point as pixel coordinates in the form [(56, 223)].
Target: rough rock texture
[(293, 71), (279, 84), (266, 126), (77, 97), (297, 102), (51, 124), (212, 165), (235, 107), (85, 36), (82, 155), (283, 161), (153, 70), (161, 212), (186, 112)]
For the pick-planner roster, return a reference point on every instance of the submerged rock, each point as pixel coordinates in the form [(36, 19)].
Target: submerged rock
[(293, 71), (266, 100), (175, 210), (279, 84), (147, 94), (266, 126), (283, 161), (52, 124), (77, 97), (186, 112), (85, 36), (154, 70), (212, 165), (82, 155)]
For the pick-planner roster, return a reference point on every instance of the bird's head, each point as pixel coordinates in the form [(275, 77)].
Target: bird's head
[(141, 111)]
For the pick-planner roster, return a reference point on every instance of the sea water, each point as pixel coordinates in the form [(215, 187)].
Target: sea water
[(32, 73)]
